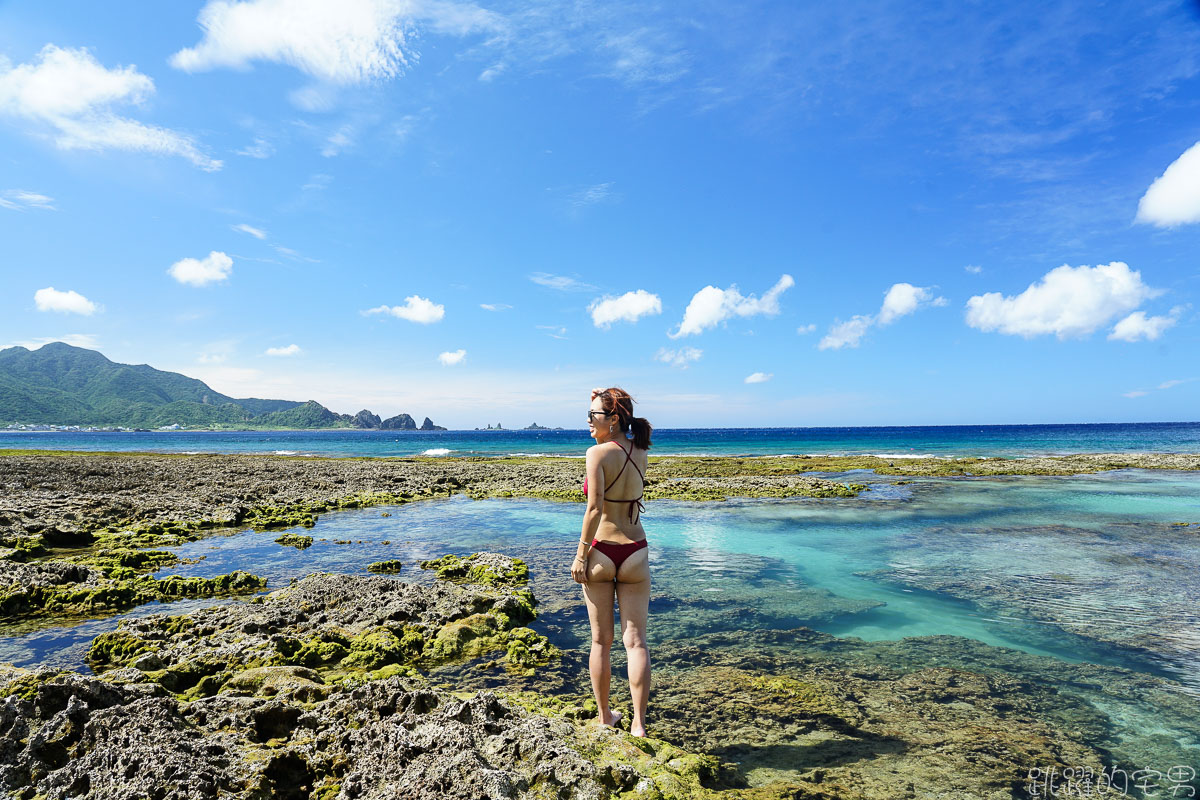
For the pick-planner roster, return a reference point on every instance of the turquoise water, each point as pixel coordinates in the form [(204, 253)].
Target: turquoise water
[(941, 440), (1053, 578)]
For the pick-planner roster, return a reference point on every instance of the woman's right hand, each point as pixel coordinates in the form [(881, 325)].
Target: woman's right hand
[(579, 571)]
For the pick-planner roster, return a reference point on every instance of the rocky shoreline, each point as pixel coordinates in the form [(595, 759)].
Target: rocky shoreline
[(369, 686), (67, 499)]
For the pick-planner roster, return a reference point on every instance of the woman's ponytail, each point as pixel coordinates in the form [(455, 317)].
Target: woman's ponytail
[(641, 432), (616, 400)]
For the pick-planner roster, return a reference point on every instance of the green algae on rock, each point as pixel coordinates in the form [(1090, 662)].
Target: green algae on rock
[(346, 629), (391, 566), (485, 569), (284, 732), (295, 540), (61, 588)]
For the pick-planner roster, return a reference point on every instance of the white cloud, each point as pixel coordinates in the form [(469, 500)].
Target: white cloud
[(1174, 197), (257, 233), (1174, 383), (629, 307), (451, 358), (70, 302), (848, 333), (804, 330), (495, 306), (1138, 327), (337, 44), (678, 358), (974, 269), (214, 267), (347, 42), (17, 200), (1067, 301), (73, 94), (415, 309), (490, 74), (283, 352), (900, 300), (903, 299), (211, 358), (711, 306), (759, 377), (1134, 393), (87, 341), (560, 282), (260, 149)]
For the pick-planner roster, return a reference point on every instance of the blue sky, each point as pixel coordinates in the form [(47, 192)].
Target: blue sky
[(745, 214)]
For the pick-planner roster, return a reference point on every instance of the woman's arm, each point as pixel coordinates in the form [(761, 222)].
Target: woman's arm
[(591, 516)]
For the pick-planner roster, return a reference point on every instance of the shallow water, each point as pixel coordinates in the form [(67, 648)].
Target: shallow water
[(1033, 574)]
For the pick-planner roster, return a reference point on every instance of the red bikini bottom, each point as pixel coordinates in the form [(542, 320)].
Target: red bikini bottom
[(618, 552)]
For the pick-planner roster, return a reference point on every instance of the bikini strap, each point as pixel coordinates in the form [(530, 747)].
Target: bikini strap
[(628, 458)]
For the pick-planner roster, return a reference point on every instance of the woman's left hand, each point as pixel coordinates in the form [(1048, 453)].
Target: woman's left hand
[(578, 571)]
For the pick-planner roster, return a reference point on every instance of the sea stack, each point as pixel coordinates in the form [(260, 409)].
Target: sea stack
[(400, 422), (365, 419)]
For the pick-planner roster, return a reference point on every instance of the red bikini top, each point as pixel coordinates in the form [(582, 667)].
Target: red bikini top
[(613, 482)]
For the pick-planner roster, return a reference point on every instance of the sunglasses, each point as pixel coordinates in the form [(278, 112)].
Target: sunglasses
[(593, 414)]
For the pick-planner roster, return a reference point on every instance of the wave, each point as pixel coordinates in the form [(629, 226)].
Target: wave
[(436, 451), (286, 452)]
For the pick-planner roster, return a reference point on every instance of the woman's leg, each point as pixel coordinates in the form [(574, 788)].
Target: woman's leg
[(598, 595), (633, 596)]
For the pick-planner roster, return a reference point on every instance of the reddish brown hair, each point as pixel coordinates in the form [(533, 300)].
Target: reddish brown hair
[(615, 400)]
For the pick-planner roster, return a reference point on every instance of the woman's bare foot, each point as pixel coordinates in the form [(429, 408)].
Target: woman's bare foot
[(613, 718), (637, 729)]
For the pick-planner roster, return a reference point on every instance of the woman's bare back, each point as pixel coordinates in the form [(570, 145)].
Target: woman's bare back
[(615, 525)]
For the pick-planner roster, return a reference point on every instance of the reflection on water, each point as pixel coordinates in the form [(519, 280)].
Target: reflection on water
[(1055, 571)]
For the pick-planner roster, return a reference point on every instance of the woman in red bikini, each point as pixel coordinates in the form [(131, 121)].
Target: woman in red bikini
[(612, 557)]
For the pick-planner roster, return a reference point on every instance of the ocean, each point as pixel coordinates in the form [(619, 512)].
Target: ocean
[(944, 441)]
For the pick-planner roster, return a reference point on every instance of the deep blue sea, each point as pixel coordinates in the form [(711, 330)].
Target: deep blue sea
[(948, 440)]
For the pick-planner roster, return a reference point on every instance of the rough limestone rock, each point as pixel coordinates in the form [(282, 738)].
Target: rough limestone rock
[(214, 705)]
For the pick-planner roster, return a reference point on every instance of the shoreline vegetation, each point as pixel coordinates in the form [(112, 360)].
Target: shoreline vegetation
[(335, 686)]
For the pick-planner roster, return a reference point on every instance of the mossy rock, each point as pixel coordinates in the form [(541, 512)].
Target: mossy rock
[(390, 567), (115, 649), (300, 683), (465, 638), (485, 569), (295, 540), (119, 594)]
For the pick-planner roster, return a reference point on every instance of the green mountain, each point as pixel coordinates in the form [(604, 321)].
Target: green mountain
[(58, 384)]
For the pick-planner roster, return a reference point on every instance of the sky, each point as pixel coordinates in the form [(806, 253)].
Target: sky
[(750, 214)]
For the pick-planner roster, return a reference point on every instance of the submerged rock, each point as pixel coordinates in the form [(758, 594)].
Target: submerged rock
[(63, 588), (296, 540)]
